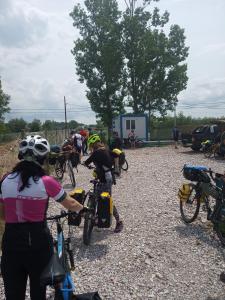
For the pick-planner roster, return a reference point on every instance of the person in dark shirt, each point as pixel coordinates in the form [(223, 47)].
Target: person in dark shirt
[(103, 161), (84, 134), (116, 141), (176, 134)]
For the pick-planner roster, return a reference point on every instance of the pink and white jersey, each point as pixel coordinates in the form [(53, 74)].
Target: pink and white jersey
[(31, 203)]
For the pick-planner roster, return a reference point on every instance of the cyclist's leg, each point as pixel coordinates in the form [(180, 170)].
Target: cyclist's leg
[(14, 275), (116, 214), (85, 146), (117, 167), (36, 264)]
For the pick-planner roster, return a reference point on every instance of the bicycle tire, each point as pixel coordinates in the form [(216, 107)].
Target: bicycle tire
[(219, 226), (71, 259), (191, 200), (125, 166), (59, 171), (208, 152), (220, 234), (217, 156), (88, 227), (58, 295), (71, 174)]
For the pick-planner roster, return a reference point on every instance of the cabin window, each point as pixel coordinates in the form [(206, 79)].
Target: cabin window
[(130, 124), (127, 124)]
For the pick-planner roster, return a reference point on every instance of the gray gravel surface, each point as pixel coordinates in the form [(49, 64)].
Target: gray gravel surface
[(156, 256)]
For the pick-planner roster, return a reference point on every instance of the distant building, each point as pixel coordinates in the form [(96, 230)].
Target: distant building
[(123, 124)]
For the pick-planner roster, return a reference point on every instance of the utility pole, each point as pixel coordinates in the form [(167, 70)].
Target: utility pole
[(65, 117), (175, 115)]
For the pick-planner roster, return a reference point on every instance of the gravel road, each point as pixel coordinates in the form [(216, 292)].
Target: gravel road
[(156, 256)]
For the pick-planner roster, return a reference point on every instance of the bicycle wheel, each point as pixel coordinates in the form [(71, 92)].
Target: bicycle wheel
[(58, 295), (71, 173), (219, 222), (220, 231), (208, 152), (88, 227), (125, 166), (217, 155), (61, 295), (189, 209), (59, 170)]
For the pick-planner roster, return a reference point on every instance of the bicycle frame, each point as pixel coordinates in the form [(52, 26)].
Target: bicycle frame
[(91, 194), (67, 287), (62, 255), (62, 167)]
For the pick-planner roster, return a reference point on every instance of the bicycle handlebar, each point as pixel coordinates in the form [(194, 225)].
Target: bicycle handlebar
[(62, 215), (217, 175), (89, 166), (69, 213)]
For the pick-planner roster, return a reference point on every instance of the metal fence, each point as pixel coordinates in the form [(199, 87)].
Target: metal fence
[(9, 146), (8, 137), (161, 134), (55, 137)]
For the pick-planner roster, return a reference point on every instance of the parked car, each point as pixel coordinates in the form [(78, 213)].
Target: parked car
[(203, 133)]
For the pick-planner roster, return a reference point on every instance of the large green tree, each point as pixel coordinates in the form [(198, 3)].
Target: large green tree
[(99, 57), (4, 103), (156, 71), (17, 125), (35, 125)]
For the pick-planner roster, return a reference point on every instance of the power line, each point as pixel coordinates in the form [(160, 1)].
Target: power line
[(47, 112), (46, 109)]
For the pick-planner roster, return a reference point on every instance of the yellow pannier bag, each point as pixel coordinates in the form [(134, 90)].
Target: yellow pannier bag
[(185, 192), (117, 151)]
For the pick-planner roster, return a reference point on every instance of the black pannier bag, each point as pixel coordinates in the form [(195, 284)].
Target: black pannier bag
[(53, 272), (195, 173), (54, 150), (122, 158), (79, 195), (75, 159), (105, 210)]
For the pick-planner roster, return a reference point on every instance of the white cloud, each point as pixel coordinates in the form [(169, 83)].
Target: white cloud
[(37, 68), (206, 97), (213, 49), (21, 25)]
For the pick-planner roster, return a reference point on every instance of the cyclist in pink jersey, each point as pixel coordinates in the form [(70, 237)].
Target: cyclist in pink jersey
[(27, 244)]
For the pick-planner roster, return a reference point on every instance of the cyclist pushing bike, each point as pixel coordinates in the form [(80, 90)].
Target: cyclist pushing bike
[(102, 159), (116, 149), (27, 245)]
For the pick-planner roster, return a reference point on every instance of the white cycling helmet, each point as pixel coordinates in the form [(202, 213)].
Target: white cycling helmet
[(34, 145)]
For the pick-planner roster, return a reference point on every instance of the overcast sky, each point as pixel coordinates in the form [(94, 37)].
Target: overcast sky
[(37, 68)]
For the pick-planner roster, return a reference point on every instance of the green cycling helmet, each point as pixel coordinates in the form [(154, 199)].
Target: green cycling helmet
[(93, 139)]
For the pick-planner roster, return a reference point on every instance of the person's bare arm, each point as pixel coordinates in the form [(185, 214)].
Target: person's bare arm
[(71, 204)]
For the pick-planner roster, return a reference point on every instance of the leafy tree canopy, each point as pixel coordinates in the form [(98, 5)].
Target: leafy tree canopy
[(17, 125), (156, 72), (4, 102), (35, 125), (99, 57)]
